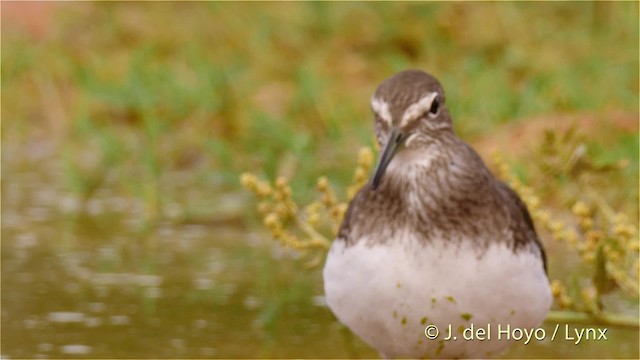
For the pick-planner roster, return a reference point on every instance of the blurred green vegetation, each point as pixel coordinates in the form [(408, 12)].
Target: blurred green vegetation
[(170, 102), (283, 88)]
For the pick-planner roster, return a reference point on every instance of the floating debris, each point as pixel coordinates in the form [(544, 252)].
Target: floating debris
[(26, 240), (93, 322), (119, 320), (69, 204), (66, 317), (203, 283), (75, 349)]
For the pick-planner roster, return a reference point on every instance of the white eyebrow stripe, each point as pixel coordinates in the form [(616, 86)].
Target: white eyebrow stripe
[(418, 108), (381, 108)]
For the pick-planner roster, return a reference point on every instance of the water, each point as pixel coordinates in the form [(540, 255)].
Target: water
[(100, 283)]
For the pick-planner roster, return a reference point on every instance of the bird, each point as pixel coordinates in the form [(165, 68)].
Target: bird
[(433, 240)]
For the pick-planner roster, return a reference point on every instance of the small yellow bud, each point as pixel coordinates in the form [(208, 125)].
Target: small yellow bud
[(565, 301), (291, 206), (337, 211), (623, 231), (264, 207), (263, 189), (281, 210), (365, 157), (560, 235), (248, 180), (277, 233), (351, 192), (313, 219), (323, 184), (291, 240), (556, 288), (360, 175), (313, 208), (271, 221), (588, 257), (586, 223), (593, 236), (542, 216), (281, 182), (533, 202), (580, 209), (556, 226)]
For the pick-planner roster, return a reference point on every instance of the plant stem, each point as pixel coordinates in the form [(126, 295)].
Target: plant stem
[(601, 319), (316, 238)]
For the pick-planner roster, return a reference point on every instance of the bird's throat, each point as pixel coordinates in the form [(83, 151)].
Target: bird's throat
[(409, 166)]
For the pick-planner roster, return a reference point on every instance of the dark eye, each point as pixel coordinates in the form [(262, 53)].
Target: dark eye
[(435, 106)]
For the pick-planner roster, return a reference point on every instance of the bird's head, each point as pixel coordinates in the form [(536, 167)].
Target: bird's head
[(409, 113)]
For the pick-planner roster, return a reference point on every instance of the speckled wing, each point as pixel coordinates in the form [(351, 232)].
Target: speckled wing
[(344, 233), (521, 225)]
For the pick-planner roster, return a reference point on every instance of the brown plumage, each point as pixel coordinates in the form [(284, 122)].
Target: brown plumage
[(434, 239), (458, 197)]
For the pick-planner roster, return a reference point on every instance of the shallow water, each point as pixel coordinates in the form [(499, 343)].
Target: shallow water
[(95, 280)]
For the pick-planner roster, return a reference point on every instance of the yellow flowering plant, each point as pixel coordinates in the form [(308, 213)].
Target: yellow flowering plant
[(605, 241)]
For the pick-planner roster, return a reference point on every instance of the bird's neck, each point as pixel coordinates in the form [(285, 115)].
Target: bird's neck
[(435, 175), (413, 167)]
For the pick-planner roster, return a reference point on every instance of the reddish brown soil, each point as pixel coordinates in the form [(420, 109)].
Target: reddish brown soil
[(34, 18), (515, 138)]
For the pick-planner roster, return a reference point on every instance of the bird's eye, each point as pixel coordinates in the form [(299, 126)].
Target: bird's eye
[(435, 106)]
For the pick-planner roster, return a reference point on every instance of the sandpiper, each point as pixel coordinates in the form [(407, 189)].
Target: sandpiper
[(434, 240)]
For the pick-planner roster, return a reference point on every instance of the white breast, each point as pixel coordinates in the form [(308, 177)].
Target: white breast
[(387, 294)]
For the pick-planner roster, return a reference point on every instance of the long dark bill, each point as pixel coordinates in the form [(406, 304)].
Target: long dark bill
[(393, 141)]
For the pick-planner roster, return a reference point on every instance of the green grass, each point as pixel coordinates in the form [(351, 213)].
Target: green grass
[(284, 88)]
